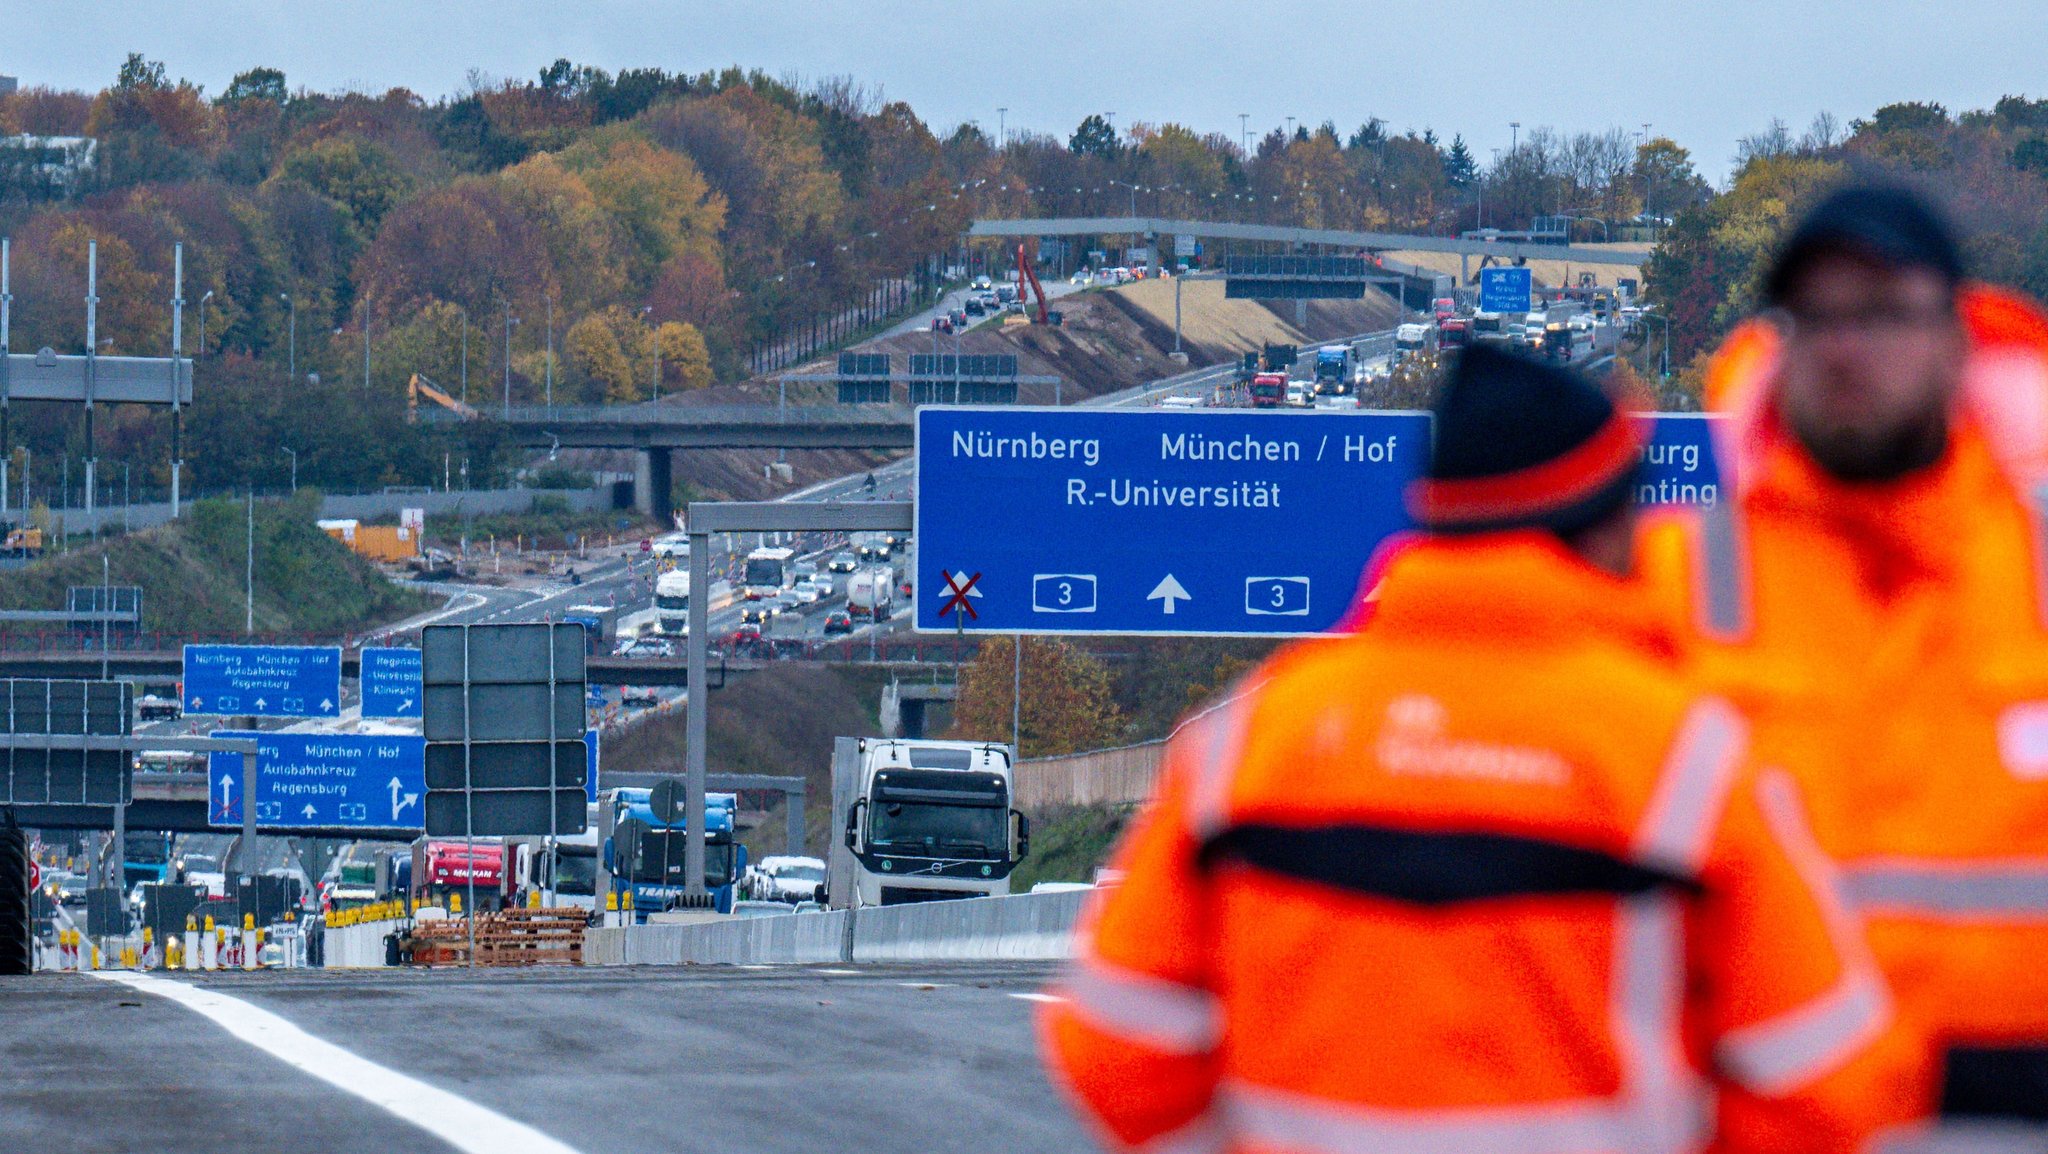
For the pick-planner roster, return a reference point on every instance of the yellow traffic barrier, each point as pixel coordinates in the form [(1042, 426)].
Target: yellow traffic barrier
[(533, 899), (454, 903)]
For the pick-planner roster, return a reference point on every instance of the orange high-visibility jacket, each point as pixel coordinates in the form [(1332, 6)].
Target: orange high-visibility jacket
[(1483, 878), (1887, 642)]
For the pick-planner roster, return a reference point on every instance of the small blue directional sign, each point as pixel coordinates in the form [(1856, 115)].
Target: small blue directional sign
[(263, 680), (1505, 290), (391, 682), (323, 780), (1204, 521), (1678, 463)]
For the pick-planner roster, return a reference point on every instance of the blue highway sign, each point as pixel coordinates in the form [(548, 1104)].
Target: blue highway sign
[(1504, 290), (323, 780), (1678, 463), (590, 778), (391, 682), (263, 680), (1154, 521)]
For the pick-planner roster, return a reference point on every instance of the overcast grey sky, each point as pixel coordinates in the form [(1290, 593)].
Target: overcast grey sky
[(1702, 71)]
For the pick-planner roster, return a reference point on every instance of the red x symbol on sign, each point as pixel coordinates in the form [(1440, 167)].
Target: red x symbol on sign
[(958, 592)]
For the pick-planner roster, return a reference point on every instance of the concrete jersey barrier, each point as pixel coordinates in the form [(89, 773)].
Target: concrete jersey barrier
[(1021, 927)]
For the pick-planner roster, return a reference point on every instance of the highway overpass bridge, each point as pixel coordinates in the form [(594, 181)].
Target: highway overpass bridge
[(1501, 251)]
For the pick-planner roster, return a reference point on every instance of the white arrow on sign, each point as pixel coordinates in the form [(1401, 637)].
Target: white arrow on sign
[(326, 705), (1169, 593), (310, 811), (398, 804), (227, 785), (404, 703), (259, 703)]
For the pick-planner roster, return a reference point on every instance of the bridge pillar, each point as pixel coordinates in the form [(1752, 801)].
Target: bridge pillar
[(653, 474)]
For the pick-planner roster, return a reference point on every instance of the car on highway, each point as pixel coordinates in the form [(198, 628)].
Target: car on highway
[(1301, 394), (843, 562), (983, 282), (1082, 277), (761, 909), (806, 593), (647, 647), (959, 318), (152, 707), (642, 695), (70, 891), (784, 607), (839, 621), (748, 633), (974, 308), (783, 878), (754, 612), (802, 569)]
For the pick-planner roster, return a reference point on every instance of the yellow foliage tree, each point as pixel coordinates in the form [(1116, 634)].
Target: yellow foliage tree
[(656, 196), (684, 355), (600, 369), (1067, 704)]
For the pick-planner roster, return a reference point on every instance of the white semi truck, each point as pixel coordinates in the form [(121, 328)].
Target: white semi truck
[(923, 821), (672, 603)]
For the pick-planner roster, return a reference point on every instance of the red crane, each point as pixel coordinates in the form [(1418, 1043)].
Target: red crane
[(1027, 275)]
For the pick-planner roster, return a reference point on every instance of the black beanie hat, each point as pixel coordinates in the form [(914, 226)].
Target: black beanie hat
[(1887, 224), (1524, 444)]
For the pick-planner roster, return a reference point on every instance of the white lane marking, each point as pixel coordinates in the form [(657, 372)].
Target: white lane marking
[(841, 973), (1037, 997), (926, 985), (459, 1122)]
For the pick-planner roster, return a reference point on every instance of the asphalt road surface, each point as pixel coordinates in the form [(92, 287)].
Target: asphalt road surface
[(803, 1059)]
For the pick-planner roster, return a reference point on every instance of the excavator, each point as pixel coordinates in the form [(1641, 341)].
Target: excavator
[(1026, 275), (420, 386)]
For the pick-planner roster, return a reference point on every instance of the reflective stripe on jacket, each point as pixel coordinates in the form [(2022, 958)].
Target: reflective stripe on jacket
[(1887, 642), (1484, 877)]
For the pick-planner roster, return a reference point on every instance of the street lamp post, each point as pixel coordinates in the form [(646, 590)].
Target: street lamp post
[(510, 320), (294, 455), (202, 321), (1514, 135), (654, 340), (292, 361), (465, 353), (551, 351), (1665, 370)]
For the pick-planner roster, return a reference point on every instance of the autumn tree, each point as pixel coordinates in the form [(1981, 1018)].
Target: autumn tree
[(684, 356), (1067, 704)]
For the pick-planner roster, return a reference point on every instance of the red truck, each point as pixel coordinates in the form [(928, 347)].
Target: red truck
[(1269, 390), (1454, 333), (441, 868)]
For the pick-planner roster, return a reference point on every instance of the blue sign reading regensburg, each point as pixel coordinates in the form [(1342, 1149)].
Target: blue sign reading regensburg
[(391, 682), (1678, 463), (323, 780), (1504, 290), (263, 680), (1154, 521)]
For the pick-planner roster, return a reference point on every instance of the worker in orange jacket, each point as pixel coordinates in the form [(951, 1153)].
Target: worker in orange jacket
[(1484, 877), (1874, 598)]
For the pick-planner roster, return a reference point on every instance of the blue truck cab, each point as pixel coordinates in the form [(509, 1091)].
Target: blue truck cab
[(648, 852)]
